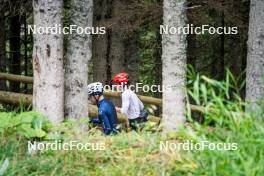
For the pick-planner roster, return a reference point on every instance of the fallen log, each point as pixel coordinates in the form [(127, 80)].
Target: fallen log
[(28, 79), (144, 99), (25, 99), (16, 78)]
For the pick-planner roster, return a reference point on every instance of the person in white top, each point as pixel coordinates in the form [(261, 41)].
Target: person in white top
[(131, 104)]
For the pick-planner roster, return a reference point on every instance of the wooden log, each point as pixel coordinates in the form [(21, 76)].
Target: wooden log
[(144, 99), (153, 101), (25, 99), (16, 78)]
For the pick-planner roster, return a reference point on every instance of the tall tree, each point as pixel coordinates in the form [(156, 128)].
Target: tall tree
[(117, 51), (131, 58), (174, 66), (2, 45), (15, 64), (101, 43), (25, 42), (48, 91), (77, 58), (255, 59)]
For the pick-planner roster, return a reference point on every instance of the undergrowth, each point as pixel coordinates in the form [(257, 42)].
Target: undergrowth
[(140, 153)]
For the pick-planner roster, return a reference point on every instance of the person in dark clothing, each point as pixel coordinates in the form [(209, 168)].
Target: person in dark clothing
[(107, 116)]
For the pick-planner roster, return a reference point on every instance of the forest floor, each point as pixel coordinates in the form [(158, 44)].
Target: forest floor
[(133, 153)]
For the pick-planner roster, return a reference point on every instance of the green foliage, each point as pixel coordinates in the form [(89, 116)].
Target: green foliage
[(221, 99), (26, 124)]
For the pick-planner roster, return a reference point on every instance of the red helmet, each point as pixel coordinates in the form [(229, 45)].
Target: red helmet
[(121, 78)]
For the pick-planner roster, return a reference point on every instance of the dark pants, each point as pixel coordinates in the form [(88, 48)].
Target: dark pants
[(136, 123)]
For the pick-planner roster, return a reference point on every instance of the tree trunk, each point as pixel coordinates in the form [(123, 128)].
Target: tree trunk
[(222, 50), (25, 52), (117, 44), (15, 66), (48, 90), (191, 40), (101, 43), (174, 66), (158, 69), (131, 58), (77, 58), (255, 59), (117, 52), (2, 47)]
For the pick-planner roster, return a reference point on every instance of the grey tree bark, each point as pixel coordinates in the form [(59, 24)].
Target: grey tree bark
[(48, 90), (255, 59), (174, 66), (78, 55)]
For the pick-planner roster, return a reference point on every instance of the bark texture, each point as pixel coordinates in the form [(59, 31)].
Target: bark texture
[(101, 43), (117, 51), (255, 59), (174, 66), (77, 57), (2, 46), (48, 93)]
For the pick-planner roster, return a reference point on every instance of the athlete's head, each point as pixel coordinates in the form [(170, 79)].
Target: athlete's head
[(95, 90), (120, 80)]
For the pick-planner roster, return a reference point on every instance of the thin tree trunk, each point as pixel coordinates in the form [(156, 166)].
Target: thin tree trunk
[(117, 45), (255, 59), (101, 43), (158, 69), (2, 47), (222, 50), (191, 39), (25, 51), (117, 52), (131, 58), (191, 55), (48, 90), (236, 43), (174, 66), (236, 54), (15, 67), (77, 57)]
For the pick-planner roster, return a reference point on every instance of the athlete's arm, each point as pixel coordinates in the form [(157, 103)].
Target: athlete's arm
[(125, 103), (141, 105), (105, 122)]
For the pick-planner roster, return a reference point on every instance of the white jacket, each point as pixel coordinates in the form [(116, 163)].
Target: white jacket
[(131, 104)]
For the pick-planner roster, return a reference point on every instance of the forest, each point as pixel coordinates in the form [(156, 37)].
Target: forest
[(132, 87)]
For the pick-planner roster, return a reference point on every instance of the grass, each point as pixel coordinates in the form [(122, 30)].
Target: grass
[(139, 154)]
